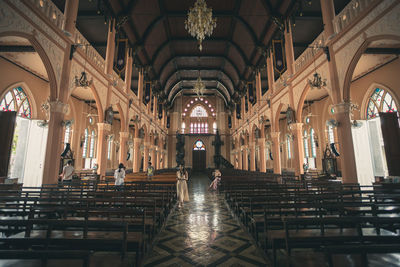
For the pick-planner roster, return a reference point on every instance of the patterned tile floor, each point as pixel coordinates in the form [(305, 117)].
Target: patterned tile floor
[(203, 233)]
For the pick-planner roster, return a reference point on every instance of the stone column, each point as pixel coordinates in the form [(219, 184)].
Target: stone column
[(252, 147), (270, 74), (108, 66), (155, 108), (345, 139), (258, 88), (145, 156), (136, 154), (123, 138), (297, 129), (57, 109), (128, 70), (140, 88), (240, 159), (153, 156), (158, 157), (276, 152), (103, 129), (328, 14), (289, 48), (70, 14), (243, 108), (246, 158), (263, 165)]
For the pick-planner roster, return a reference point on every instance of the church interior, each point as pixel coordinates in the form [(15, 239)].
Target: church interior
[(293, 101)]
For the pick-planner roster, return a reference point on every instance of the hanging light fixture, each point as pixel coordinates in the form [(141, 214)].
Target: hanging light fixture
[(317, 81), (199, 87), (83, 80), (200, 22)]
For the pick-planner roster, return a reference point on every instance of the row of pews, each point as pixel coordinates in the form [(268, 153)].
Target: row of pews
[(77, 220), (313, 223)]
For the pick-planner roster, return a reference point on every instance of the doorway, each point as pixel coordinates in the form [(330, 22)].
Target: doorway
[(199, 156)]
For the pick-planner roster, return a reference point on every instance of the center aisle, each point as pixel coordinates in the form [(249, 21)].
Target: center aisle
[(203, 233)]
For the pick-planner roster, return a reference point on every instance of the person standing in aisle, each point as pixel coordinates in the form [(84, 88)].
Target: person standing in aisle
[(181, 186)]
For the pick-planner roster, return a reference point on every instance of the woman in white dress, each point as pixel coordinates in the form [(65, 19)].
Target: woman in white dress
[(181, 186), (119, 176)]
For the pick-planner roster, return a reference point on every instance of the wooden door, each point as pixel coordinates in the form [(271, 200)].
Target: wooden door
[(199, 160)]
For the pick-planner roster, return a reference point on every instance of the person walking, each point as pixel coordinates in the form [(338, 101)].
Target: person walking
[(68, 172), (217, 180), (119, 176), (150, 172), (181, 186)]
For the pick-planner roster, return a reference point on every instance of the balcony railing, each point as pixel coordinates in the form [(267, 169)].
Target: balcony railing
[(349, 13), (50, 10)]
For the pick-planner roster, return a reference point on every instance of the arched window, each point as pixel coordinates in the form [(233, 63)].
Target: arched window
[(16, 100), (109, 145), (331, 135), (183, 126), (305, 141), (214, 127), (380, 101), (313, 146), (199, 112), (199, 145), (92, 143), (289, 150), (67, 135), (85, 143)]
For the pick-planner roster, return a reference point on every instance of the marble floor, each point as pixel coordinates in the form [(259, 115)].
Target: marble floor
[(203, 233)]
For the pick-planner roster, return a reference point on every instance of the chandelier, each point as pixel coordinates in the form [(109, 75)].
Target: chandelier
[(82, 81), (317, 81), (200, 22), (199, 87)]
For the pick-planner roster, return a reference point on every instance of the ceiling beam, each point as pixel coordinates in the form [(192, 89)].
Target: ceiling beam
[(169, 89), (382, 51), (171, 75), (189, 56), (173, 95), (190, 39), (216, 14), (17, 48)]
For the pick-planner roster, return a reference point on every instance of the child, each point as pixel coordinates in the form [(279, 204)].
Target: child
[(217, 180)]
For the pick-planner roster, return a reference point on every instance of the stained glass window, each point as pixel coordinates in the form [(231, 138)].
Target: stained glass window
[(380, 101), (67, 135), (214, 127), (85, 143), (331, 136), (199, 145), (313, 146), (183, 126), (305, 141), (109, 145), (199, 128), (92, 143), (289, 151), (16, 100), (199, 112)]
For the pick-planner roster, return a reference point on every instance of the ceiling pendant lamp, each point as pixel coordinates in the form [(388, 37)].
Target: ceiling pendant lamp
[(200, 22)]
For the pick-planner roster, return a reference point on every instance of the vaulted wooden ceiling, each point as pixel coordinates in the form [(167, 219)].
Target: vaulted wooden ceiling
[(155, 29)]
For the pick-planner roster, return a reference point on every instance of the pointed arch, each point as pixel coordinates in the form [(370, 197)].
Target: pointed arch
[(356, 58), (368, 94), (43, 56), (27, 92)]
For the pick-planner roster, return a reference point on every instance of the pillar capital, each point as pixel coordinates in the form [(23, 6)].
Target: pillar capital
[(123, 134), (55, 107), (101, 126), (275, 135), (343, 107), (296, 126)]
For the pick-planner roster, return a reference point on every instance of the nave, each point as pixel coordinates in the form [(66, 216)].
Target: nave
[(203, 233)]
